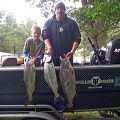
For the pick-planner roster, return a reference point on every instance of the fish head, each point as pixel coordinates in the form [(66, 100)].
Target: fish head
[(65, 63), (47, 59), (29, 62)]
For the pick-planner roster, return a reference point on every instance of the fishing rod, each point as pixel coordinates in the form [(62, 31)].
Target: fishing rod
[(95, 51)]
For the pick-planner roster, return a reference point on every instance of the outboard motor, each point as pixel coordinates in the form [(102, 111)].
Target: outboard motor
[(101, 54), (112, 55)]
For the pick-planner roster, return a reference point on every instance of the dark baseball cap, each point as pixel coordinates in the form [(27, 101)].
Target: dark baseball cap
[(60, 5)]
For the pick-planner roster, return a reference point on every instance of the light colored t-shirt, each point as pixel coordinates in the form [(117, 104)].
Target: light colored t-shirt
[(34, 48)]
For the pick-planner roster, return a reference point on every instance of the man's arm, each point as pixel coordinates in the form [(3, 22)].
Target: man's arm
[(75, 46), (45, 36), (47, 43), (49, 47), (76, 35)]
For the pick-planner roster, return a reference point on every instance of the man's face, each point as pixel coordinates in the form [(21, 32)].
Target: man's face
[(60, 12), (36, 34)]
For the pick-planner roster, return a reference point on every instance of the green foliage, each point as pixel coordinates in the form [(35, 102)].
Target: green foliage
[(105, 11), (13, 35), (97, 19)]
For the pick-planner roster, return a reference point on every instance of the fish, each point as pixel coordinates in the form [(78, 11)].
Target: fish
[(51, 78), (29, 79), (67, 80)]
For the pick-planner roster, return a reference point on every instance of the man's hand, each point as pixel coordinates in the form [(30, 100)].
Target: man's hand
[(69, 54), (50, 52)]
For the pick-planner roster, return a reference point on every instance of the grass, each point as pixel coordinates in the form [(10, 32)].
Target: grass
[(78, 115)]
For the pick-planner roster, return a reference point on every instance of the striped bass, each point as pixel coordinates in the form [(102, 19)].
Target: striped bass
[(67, 80), (29, 79)]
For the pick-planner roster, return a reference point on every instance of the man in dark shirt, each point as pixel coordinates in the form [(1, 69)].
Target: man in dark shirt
[(61, 35)]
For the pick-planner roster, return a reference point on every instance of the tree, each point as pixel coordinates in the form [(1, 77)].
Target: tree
[(97, 18), (46, 6), (13, 35)]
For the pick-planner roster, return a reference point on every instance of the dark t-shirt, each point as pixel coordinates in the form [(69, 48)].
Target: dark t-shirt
[(62, 35)]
